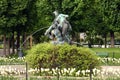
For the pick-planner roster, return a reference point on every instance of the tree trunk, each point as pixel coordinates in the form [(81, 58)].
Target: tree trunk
[(31, 41), (18, 40), (23, 41), (89, 43), (8, 46), (112, 38), (4, 45), (105, 36), (13, 43)]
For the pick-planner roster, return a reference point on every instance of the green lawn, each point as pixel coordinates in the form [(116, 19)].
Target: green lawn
[(116, 51)]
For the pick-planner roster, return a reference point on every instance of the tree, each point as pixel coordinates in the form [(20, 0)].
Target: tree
[(82, 14), (3, 21), (44, 13), (12, 18), (110, 16)]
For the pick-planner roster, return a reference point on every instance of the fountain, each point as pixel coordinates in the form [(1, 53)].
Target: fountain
[(59, 30), (20, 53)]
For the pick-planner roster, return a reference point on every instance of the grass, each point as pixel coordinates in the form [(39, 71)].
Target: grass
[(1, 46), (7, 78), (113, 52)]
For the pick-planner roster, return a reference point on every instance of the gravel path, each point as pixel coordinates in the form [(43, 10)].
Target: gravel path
[(2, 52), (110, 67)]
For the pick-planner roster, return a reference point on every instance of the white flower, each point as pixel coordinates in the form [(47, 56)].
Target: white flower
[(78, 73)]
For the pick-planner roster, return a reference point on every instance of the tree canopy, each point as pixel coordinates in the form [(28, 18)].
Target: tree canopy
[(97, 17)]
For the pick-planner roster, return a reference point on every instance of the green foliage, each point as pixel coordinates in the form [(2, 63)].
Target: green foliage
[(15, 12), (12, 15), (109, 11), (3, 7), (46, 55)]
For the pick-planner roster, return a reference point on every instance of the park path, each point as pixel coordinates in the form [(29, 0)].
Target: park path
[(110, 70), (110, 67), (2, 52)]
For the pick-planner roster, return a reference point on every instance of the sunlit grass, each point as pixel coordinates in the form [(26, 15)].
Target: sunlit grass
[(8, 78), (113, 52)]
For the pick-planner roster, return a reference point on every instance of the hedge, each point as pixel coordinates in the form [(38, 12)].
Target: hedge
[(46, 55)]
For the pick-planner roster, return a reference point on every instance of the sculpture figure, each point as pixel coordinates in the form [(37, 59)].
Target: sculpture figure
[(59, 30)]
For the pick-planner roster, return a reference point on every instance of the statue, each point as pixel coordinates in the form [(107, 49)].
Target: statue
[(59, 30)]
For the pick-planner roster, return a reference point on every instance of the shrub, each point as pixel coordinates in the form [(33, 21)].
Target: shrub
[(46, 55)]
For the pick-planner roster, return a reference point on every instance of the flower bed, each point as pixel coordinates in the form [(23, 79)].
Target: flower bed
[(105, 72), (110, 61), (12, 61)]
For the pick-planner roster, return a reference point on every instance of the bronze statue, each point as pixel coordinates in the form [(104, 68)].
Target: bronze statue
[(59, 30)]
